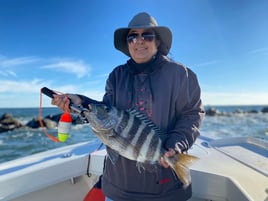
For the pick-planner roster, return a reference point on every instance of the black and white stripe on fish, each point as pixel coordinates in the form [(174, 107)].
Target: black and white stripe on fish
[(132, 135)]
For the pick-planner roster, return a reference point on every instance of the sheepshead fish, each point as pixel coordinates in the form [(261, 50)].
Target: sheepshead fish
[(132, 135)]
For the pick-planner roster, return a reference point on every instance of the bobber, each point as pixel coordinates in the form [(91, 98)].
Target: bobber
[(64, 126)]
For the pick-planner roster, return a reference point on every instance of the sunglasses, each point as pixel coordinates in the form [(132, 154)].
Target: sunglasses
[(146, 36)]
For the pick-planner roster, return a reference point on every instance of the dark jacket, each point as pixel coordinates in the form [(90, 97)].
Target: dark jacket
[(169, 94)]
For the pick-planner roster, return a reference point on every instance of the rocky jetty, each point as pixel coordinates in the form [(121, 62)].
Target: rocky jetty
[(8, 122), (211, 111), (49, 122)]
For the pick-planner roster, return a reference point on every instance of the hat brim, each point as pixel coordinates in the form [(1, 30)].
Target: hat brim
[(163, 33)]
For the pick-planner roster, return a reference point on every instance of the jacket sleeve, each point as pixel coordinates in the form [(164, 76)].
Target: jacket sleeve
[(189, 115), (109, 95), (86, 100)]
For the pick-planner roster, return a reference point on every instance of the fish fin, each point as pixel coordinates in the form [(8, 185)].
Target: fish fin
[(138, 114), (181, 166), (112, 154), (139, 166), (142, 117), (149, 167), (113, 133)]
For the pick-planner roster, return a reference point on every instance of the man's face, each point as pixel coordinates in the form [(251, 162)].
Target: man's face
[(142, 44)]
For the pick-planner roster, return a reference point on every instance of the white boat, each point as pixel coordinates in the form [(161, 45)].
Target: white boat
[(233, 169)]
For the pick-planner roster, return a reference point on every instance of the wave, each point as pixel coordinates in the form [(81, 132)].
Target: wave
[(22, 142)]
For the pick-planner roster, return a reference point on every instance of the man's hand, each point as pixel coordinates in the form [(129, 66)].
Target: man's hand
[(63, 100), (169, 153)]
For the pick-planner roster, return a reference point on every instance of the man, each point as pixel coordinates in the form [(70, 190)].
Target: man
[(167, 92)]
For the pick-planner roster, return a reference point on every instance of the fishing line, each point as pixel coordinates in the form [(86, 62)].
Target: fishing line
[(40, 118)]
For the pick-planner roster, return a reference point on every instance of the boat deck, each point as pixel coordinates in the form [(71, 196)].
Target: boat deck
[(231, 166), (229, 170)]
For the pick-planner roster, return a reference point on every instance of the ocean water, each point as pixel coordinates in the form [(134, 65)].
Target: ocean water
[(236, 121)]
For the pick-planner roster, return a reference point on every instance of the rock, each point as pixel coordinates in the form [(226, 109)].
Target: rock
[(253, 111), (239, 111), (265, 110), (8, 122), (212, 112), (34, 123), (50, 123), (55, 117)]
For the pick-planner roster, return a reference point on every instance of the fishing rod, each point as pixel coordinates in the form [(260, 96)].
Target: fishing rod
[(75, 108), (65, 121), (95, 192)]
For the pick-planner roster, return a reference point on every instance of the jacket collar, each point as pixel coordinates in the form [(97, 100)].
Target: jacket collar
[(147, 67)]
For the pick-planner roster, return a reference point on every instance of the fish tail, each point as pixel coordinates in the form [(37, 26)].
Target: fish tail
[(181, 166)]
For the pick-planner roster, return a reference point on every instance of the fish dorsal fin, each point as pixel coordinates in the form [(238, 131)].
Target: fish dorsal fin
[(142, 117)]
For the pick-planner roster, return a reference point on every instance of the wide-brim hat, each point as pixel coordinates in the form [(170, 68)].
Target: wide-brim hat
[(143, 21)]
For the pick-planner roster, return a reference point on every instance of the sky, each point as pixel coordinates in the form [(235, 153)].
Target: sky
[(67, 45)]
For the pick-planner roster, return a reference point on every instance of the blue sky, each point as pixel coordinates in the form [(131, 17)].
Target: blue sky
[(67, 45)]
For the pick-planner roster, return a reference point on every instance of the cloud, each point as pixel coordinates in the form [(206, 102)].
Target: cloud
[(208, 63), (27, 93), (9, 86), (33, 86), (8, 65), (21, 80), (9, 62), (8, 73), (77, 67), (235, 98)]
